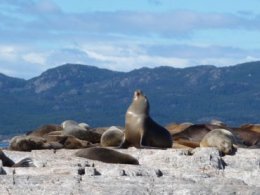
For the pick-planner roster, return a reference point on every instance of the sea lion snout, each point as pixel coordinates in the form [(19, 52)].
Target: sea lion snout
[(138, 93)]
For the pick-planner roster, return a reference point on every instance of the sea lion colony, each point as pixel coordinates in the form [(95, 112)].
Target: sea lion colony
[(140, 131)]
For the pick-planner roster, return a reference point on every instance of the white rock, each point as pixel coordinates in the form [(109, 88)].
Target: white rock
[(171, 171)]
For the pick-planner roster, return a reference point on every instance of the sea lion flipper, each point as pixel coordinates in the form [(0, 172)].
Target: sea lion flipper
[(6, 161), (27, 162), (125, 144)]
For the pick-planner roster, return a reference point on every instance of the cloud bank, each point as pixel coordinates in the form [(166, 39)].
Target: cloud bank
[(37, 35)]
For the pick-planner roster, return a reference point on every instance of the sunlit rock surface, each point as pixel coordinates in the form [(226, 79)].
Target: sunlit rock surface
[(171, 171)]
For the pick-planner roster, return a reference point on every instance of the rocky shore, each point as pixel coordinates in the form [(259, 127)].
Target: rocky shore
[(171, 171)]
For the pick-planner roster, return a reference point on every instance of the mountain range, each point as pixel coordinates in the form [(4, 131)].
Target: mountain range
[(100, 97)]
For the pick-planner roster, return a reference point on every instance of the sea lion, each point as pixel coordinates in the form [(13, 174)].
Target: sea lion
[(28, 143), (113, 136), (72, 128), (217, 123), (141, 130), (84, 125), (222, 139), (7, 162), (107, 156), (193, 134), (45, 129), (251, 127), (68, 141), (248, 137), (174, 128)]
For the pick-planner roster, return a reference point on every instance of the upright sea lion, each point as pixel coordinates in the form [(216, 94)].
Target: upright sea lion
[(141, 130), (7, 162), (107, 156), (222, 139)]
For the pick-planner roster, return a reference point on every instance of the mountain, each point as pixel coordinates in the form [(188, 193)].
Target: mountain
[(100, 97)]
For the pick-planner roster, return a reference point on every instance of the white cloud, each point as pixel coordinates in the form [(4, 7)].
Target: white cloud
[(35, 58), (8, 53)]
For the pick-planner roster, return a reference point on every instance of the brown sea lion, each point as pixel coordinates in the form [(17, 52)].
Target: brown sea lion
[(247, 137), (107, 156), (174, 128), (113, 136), (7, 162), (192, 135), (45, 130), (28, 143), (68, 141), (222, 139), (251, 127), (141, 130)]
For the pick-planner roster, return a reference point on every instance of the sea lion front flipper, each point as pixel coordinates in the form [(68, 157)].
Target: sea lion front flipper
[(27, 162), (7, 162), (125, 144)]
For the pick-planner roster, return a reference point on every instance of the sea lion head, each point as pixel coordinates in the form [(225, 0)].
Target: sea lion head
[(140, 103)]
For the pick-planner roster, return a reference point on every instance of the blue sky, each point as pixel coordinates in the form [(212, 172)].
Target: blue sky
[(122, 35)]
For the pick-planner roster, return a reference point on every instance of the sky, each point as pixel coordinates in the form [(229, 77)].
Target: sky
[(123, 35)]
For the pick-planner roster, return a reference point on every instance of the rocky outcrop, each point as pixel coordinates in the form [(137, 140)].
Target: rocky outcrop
[(171, 171)]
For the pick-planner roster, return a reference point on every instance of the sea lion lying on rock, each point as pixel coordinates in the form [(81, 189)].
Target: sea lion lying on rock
[(28, 143), (251, 127), (222, 139), (45, 129), (107, 155), (81, 131), (248, 137), (192, 135), (174, 128)]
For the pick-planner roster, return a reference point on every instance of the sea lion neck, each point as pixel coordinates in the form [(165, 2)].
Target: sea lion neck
[(140, 104)]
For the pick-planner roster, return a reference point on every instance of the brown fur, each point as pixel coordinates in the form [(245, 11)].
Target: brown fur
[(107, 155), (68, 142), (140, 129), (251, 127), (174, 128), (247, 137), (193, 134), (45, 130)]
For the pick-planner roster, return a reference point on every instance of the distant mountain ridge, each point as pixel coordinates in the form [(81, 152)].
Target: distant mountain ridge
[(100, 97)]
